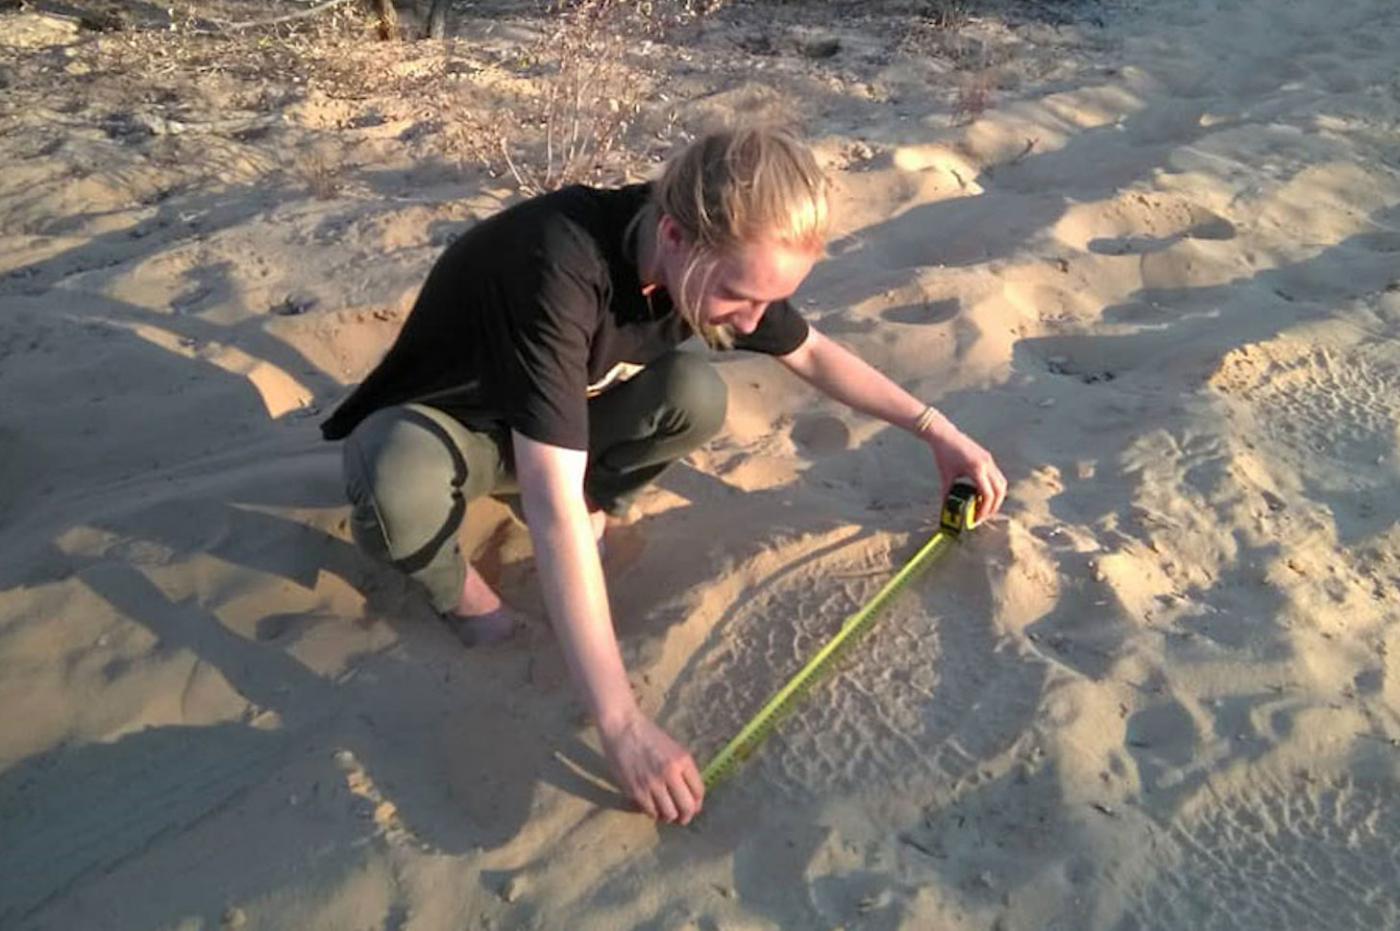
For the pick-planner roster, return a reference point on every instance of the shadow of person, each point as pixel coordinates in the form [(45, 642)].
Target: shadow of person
[(438, 738), (169, 460), (74, 813)]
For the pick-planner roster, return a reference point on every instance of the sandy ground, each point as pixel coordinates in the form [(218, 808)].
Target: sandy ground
[(1159, 276)]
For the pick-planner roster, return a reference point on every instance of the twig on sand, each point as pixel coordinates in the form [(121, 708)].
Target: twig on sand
[(923, 848)]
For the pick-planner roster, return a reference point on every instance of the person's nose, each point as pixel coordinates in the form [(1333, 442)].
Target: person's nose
[(749, 320)]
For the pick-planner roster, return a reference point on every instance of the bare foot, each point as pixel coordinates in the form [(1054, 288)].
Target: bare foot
[(481, 618)]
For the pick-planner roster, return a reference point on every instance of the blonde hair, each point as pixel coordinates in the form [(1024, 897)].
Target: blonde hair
[(733, 187)]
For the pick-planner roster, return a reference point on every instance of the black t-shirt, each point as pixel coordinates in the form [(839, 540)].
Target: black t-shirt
[(529, 312)]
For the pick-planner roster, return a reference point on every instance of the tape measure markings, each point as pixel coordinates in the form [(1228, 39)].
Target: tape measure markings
[(958, 514)]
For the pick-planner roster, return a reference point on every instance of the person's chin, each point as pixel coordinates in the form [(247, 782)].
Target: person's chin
[(719, 335)]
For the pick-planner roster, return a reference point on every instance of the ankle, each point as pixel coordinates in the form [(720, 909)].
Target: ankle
[(478, 598)]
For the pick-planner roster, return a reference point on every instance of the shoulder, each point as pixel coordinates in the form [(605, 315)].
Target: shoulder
[(571, 237), (565, 237), (581, 220)]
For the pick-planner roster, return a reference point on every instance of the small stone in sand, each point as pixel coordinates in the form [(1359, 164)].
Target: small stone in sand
[(294, 305)]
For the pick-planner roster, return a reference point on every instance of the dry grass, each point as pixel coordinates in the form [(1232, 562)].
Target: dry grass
[(591, 94), (947, 30), (580, 105)]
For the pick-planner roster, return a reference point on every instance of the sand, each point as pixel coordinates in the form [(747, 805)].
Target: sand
[(1157, 273)]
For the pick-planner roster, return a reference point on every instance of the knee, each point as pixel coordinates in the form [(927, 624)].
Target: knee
[(695, 390), (401, 479)]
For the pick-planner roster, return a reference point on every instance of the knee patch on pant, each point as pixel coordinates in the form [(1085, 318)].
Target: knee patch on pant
[(403, 477)]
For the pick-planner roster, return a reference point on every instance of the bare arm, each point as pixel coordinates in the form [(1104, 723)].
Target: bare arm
[(841, 374), (654, 770), (551, 482)]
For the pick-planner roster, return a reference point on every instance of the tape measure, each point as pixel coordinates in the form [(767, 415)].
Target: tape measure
[(959, 514)]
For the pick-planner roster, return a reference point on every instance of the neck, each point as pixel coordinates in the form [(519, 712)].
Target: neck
[(648, 266)]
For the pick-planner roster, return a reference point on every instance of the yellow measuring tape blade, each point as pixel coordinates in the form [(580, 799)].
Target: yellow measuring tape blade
[(956, 514)]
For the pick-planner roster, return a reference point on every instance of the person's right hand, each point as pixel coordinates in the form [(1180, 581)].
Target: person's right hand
[(656, 772)]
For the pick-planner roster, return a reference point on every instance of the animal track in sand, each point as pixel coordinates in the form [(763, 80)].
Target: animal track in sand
[(923, 696), (1330, 407), (1311, 857), (1329, 413)]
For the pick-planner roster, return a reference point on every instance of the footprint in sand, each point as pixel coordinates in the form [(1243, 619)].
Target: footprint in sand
[(1089, 359), (1162, 739), (821, 433), (1140, 224), (928, 312)]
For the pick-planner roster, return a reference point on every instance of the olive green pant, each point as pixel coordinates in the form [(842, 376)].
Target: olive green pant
[(410, 470)]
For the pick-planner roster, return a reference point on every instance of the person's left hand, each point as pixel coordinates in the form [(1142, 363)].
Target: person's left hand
[(959, 456)]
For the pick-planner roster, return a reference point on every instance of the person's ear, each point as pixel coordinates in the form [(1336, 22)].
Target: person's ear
[(669, 233)]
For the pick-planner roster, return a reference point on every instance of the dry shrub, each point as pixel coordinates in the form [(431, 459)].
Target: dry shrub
[(934, 29), (946, 14), (974, 96), (322, 173), (946, 29), (576, 128)]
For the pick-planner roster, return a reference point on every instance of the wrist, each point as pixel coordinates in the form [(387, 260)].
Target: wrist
[(615, 717), (931, 426)]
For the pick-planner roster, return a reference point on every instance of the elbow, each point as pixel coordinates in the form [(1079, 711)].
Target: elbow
[(549, 505), (541, 502)]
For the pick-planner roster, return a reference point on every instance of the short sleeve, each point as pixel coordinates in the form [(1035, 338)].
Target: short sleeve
[(781, 330), (552, 325)]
